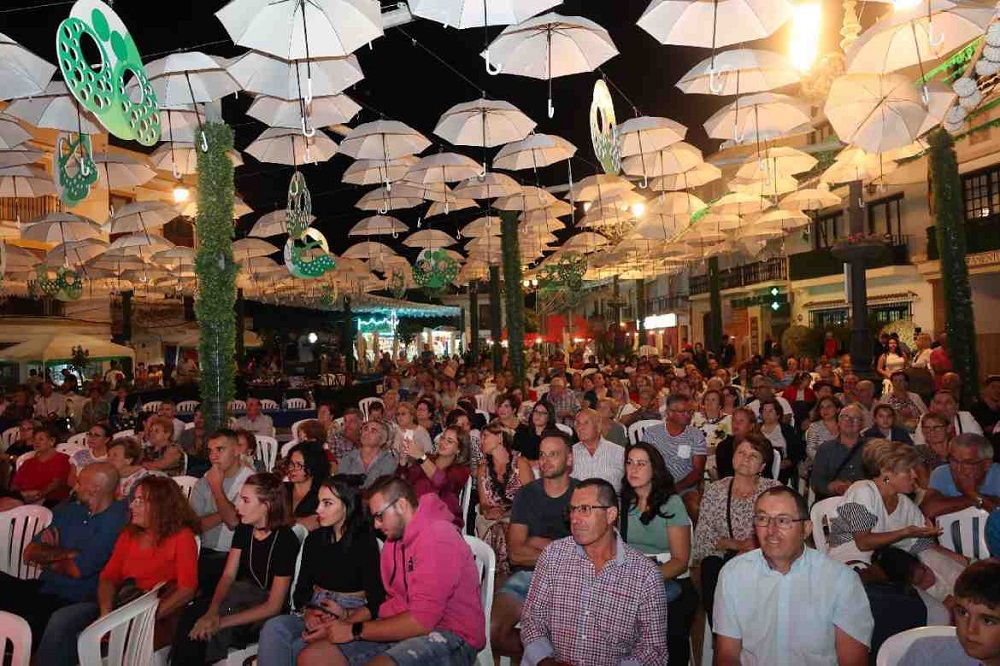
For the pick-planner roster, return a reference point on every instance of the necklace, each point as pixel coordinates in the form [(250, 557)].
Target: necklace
[(267, 569)]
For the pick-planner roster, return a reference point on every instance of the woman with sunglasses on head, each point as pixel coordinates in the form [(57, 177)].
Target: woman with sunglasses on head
[(653, 520), (351, 591), (255, 583)]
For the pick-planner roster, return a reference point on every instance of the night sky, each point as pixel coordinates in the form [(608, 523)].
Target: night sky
[(405, 82)]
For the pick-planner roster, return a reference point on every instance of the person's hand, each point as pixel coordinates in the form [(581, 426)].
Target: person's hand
[(923, 531), (335, 632), (838, 487), (214, 477), (206, 627), (493, 513), (334, 609), (50, 536), (314, 618)]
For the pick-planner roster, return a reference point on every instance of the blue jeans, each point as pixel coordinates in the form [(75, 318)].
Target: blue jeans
[(437, 647), (281, 641), (517, 585), (58, 645)]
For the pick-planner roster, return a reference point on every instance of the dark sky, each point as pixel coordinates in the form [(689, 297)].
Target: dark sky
[(405, 82)]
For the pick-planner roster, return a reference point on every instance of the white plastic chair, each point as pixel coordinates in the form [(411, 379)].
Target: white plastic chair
[(565, 428), (17, 528), (363, 405), (9, 436), (295, 427), (188, 406), (626, 409), (21, 459), (776, 465), (237, 405), (895, 647), (123, 433), (821, 514), (152, 406), (268, 405), (267, 450), (486, 415), (486, 564), (13, 628), (486, 402), (465, 498), (964, 532), (78, 440), (296, 403), (288, 446), (69, 449), (637, 430), (186, 483), (131, 634), (189, 425)]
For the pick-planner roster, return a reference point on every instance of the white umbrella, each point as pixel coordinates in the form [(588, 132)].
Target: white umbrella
[(12, 135), (550, 46), (442, 168), (384, 140), (738, 72), (529, 198), (452, 205), (764, 187), (537, 150), (282, 145), (61, 228), (376, 172), (677, 158), (429, 239), (754, 114), (479, 13), (273, 224), (55, 108), (74, 253), (182, 158), (675, 204), (598, 186), (178, 256), (853, 163), (181, 124), (297, 29), (369, 250), (490, 186), (647, 134), (713, 23), (138, 245), (187, 78), (585, 242), (324, 111), (875, 112), (737, 203), (22, 73), (140, 216), (261, 74), (20, 156), (483, 227), (383, 200), (377, 225), (485, 123), (696, 176), (248, 248), (778, 161), (809, 199), (25, 181), (120, 171)]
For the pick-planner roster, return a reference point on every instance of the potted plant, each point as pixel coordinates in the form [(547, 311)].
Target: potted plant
[(860, 247)]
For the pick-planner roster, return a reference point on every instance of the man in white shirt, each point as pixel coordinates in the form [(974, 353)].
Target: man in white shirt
[(594, 456), (763, 388), (787, 605), (167, 411), (944, 403), (48, 402), (254, 421)]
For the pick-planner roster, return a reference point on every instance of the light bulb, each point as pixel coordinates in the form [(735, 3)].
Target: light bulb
[(803, 45), (181, 194), (639, 209)]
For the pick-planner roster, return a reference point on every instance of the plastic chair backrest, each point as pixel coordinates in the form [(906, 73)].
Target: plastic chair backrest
[(188, 406), (565, 428), (895, 647), (295, 427), (237, 405), (78, 440), (288, 446), (69, 448), (487, 402), (123, 433), (776, 465), (486, 565), (267, 450), (23, 458), (13, 628), (152, 406), (130, 634), (363, 405), (10, 436), (17, 528), (186, 483), (465, 498), (189, 425), (965, 532), (268, 405), (820, 514), (296, 403), (637, 430)]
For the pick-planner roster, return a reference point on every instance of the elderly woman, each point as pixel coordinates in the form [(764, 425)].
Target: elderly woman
[(373, 457), (783, 437), (908, 405), (725, 521), (507, 410), (408, 430), (884, 426), (162, 455), (934, 451), (823, 425), (876, 512), (125, 453), (504, 471), (444, 473), (711, 420), (98, 436)]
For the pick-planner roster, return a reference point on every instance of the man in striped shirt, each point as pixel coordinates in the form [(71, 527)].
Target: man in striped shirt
[(594, 456)]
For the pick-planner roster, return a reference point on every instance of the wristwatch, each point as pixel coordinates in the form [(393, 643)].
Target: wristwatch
[(979, 501), (422, 459), (356, 630)]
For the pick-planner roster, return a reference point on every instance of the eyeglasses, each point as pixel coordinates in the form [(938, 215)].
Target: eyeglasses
[(637, 463), (965, 463), (136, 499), (379, 516), (585, 510), (783, 521), (95, 434), (296, 465), (851, 419)]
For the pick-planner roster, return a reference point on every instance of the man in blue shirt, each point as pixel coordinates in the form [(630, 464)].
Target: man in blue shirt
[(970, 478), (71, 551)]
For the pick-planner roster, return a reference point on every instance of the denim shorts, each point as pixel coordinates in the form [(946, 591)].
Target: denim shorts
[(437, 647), (517, 585)]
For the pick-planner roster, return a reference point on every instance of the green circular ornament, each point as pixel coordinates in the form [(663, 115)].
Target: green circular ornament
[(308, 257), (397, 284), (434, 270), (70, 285), (100, 87), (46, 282), (74, 170), (299, 210)]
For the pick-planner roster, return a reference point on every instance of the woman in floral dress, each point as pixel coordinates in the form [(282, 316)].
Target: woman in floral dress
[(502, 475), (714, 423)]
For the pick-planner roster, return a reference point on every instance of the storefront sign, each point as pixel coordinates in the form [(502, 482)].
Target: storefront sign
[(983, 258), (654, 322)]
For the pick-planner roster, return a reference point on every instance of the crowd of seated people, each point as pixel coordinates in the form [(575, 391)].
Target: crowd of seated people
[(609, 541)]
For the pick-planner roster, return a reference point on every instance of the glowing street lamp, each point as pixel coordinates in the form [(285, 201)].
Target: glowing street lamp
[(803, 46)]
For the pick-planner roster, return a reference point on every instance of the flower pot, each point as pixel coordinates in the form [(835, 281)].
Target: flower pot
[(863, 252)]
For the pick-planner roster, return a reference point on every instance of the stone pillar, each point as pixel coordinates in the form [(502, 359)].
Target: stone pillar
[(713, 336), (474, 318)]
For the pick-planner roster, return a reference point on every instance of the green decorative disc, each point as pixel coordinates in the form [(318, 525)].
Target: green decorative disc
[(101, 88), (299, 209), (73, 167), (434, 270), (566, 275), (308, 257)]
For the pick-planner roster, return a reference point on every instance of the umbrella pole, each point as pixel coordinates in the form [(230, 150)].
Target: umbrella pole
[(548, 37), (197, 115)]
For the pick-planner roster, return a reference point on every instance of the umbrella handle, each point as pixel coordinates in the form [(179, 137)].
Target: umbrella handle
[(84, 167), (309, 91), (491, 69), (384, 209), (204, 142), (307, 132), (645, 182), (177, 171), (737, 137), (715, 82), (552, 109), (925, 95), (934, 42), (388, 187), (482, 172)]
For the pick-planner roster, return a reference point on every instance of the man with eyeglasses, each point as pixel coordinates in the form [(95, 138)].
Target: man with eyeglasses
[(684, 450), (537, 518), (785, 604), (593, 599), (432, 613), (970, 478), (946, 405), (838, 461), (763, 389)]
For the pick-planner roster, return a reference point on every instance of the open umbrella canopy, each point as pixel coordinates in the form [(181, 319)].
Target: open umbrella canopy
[(442, 168), (676, 158), (776, 162), (809, 199), (533, 152), (491, 186), (58, 347), (119, 171), (476, 13), (429, 239), (675, 203), (875, 112), (550, 46), (377, 172), (61, 228), (296, 29), (368, 250), (25, 181), (598, 186), (452, 205), (764, 186), (647, 134), (749, 117), (54, 108), (529, 198), (322, 112), (855, 164), (182, 157), (247, 248), (75, 253), (12, 135), (713, 23), (483, 227), (140, 216), (264, 75), (273, 224), (483, 122), (736, 203), (739, 71), (282, 145), (20, 156), (696, 176), (399, 197), (383, 140), (377, 225), (186, 78), (22, 73), (138, 245)]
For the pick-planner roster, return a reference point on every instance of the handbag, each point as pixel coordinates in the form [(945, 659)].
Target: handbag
[(730, 553), (242, 595)]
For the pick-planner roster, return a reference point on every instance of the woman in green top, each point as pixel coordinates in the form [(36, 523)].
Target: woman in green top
[(654, 521)]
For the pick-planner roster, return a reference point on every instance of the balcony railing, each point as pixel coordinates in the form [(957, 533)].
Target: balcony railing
[(821, 262), (771, 270), (663, 304), (980, 236)]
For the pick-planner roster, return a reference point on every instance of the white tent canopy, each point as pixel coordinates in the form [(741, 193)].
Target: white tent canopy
[(58, 347)]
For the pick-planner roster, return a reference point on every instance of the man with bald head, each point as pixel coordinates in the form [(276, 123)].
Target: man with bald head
[(838, 461), (71, 551)]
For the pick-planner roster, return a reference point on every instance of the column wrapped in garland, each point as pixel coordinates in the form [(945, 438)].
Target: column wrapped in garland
[(496, 312), (511, 251), (713, 336), (474, 319), (960, 320), (216, 272)]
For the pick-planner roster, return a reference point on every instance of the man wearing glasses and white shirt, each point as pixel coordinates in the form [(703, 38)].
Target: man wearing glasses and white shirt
[(785, 604)]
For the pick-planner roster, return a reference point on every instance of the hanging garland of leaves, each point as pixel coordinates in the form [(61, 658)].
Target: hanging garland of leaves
[(511, 251), (961, 322), (216, 273)]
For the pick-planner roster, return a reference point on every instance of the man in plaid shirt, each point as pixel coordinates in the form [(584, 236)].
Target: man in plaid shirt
[(593, 599), (562, 400)]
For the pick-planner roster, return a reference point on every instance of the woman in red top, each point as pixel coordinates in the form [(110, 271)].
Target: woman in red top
[(443, 473), (42, 477), (157, 546)]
